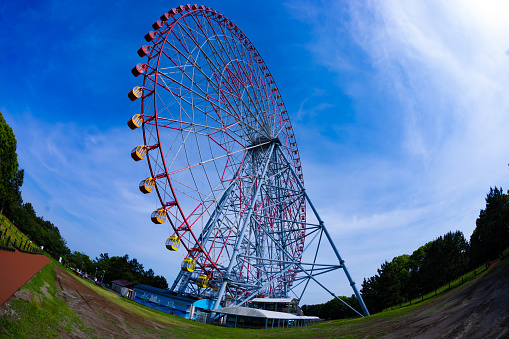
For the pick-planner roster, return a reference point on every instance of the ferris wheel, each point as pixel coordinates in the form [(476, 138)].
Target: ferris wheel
[(223, 161)]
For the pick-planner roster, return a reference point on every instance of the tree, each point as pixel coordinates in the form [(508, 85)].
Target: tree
[(392, 280), (409, 276), (131, 270), (415, 285), (81, 261), (491, 234), (40, 231), (333, 309), (11, 177), (455, 255), (445, 259), (371, 294)]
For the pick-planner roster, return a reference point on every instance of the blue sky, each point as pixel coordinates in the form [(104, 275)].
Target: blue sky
[(399, 108)]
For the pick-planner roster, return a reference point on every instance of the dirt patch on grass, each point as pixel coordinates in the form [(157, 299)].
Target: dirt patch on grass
[(477, 310), (103, 316)]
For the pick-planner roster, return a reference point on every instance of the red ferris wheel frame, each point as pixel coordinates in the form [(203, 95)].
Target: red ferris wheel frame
[(176, 43)]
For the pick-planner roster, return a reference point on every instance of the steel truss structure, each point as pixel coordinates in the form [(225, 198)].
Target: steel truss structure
[(224, 163)]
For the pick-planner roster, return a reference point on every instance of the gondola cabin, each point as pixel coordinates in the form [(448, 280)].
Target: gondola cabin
[(188, 265), (158, 216), (202, 281), (147, 185), (135, 93), (173, 243), (138, 153), (135, 121)]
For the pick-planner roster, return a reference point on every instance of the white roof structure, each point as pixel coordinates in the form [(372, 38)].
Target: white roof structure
[(253, 312), (272, 300)]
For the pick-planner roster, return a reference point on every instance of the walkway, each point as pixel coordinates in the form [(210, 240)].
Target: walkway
[(16, 268)]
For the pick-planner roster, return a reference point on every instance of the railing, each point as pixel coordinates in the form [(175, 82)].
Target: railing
[(11, 239)]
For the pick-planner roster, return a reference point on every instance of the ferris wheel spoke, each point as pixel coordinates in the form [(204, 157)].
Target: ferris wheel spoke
[(234, 47), (208, 160), (214, 63), (222, 197), (202, 93), (259, 88), (185, 192), (179, 39), (205, 98), (244, 104), (192, 62), (177, 151)]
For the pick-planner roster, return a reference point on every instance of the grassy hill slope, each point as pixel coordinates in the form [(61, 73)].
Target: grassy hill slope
[(56, 303)]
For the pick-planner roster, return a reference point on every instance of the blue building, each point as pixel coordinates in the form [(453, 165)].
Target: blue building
[(200, 310), (170, 302)]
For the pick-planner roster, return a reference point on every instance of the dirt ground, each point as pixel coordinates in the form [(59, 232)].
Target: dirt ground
[(106, 318), (477, 310)]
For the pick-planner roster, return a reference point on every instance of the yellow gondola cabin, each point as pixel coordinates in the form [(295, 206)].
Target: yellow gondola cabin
[(202, 281), (173, 243), (147, 185), (138, 153), (135, 93), (188, 265), (135, 121), (158, 216)]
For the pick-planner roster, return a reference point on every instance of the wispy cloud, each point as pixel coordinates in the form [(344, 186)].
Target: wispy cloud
[(438, 73), (84, 181)]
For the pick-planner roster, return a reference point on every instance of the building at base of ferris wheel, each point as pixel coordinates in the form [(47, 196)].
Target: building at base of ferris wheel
[(181, 305), (261, 313), (266, 313)]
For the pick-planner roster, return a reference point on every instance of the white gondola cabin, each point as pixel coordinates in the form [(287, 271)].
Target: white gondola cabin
[(138, 70)]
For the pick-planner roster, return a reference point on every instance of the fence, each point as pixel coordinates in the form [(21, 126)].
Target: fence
[(12, 238)]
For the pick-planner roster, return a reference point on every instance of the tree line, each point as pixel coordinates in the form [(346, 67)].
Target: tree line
[(108, 268), (432, 265), (332, 309), (44, 233)]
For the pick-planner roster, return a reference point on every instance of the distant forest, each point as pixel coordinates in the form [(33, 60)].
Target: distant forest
[(44, 233), (432, 265)]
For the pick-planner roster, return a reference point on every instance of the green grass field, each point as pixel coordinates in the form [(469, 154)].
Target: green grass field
[(7, 229), (38, 312)]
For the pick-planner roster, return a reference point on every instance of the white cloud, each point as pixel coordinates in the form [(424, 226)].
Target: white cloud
[(85, 182), (445, 69)]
